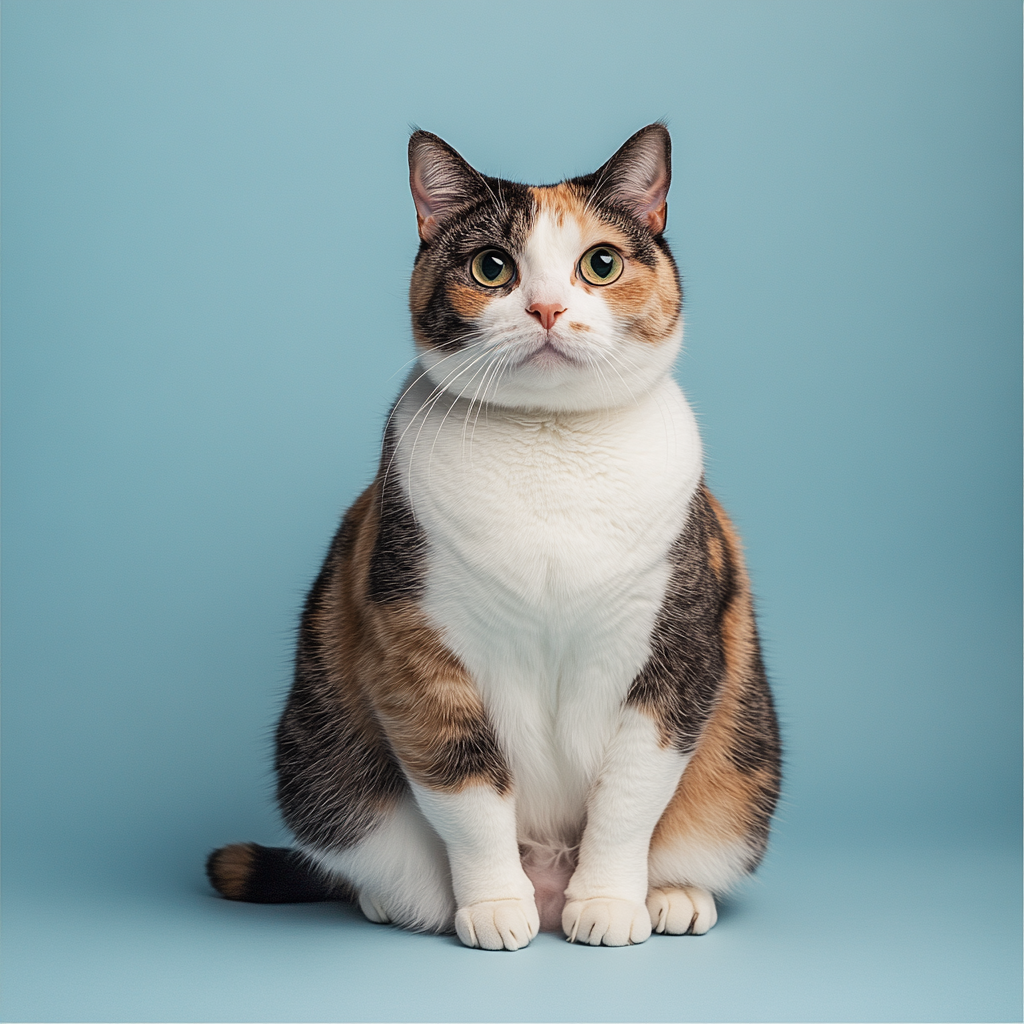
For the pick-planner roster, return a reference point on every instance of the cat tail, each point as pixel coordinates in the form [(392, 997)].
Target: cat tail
[(270, 874)]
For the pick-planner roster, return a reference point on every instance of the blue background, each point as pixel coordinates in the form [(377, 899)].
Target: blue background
[(207, 236)]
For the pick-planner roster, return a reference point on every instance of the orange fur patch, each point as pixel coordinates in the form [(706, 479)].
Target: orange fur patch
[(467, 301), (647, 300), (716, 557), (560, 202)]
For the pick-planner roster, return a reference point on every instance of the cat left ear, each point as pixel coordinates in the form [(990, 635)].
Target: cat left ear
[(638, 176), (441, 182)]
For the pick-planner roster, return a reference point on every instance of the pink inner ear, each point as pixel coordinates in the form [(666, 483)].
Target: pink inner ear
[(426, 222), (656, 219), (640, 176), (655, 210), (420, 196)]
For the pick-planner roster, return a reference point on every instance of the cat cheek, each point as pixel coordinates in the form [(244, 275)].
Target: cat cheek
[(647, 304), (468, 302)]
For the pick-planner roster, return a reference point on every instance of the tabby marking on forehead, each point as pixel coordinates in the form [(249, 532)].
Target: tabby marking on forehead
[(559, 201)]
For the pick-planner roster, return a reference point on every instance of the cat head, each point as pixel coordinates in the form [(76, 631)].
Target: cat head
[(557, 297)]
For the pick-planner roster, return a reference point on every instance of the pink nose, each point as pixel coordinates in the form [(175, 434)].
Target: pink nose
[(546, 313)]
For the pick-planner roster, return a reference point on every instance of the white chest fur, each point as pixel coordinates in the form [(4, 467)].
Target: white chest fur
[(547, 543)]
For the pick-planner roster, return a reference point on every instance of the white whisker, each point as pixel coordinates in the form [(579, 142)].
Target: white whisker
[(426, 415), (458, 399), (438, 390)]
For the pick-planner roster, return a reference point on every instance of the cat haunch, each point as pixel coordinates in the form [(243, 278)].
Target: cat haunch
[(528, 688)]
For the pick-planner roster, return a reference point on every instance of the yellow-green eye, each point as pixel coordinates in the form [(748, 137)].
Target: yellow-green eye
[(600, 265), (492, 268)]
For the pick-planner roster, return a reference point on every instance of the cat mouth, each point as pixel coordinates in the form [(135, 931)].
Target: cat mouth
[(550, 354)]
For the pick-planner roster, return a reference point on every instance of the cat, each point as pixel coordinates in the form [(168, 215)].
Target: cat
[(528, 687)]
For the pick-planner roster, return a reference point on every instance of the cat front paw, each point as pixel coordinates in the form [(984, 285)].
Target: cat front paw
[(498, 924), (603, 921), (685, 910)]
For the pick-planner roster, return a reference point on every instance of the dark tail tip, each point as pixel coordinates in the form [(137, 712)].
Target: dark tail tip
[(267, 874)]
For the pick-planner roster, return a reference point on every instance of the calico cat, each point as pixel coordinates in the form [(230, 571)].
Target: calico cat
[(528, 688)]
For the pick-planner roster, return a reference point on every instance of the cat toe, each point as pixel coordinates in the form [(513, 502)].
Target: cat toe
[(685, 910), (606, 922), (372, 909), (497, 924)]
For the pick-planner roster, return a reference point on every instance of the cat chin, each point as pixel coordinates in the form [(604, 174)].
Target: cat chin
[(572, 387), (562, 383)]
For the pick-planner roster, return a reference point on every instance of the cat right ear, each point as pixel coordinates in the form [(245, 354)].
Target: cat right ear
[(638, 176), (441, 182)]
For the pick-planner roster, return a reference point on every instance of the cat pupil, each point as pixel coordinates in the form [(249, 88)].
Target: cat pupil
[(492, 266), (602, 263)]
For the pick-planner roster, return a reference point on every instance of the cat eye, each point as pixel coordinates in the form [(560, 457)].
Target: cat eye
[(601, 265), (492, 268)]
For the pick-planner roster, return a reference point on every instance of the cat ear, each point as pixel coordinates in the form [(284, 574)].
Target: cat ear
[(638, 175), (441, 182)]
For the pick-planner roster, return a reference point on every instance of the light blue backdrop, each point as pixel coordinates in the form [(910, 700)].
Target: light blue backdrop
[(207, 237)]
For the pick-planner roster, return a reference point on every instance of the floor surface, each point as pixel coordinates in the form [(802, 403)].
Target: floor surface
[(872, 935)]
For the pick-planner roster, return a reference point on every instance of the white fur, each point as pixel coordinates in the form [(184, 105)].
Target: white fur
[(479, 829), (606, 896), (682, 910), (546, 568), (708, 865), (495, 898), (548, 536), (400, 870), (638, 777), (603, 921)]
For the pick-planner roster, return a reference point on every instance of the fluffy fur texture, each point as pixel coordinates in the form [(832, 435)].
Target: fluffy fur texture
[(528, 688)]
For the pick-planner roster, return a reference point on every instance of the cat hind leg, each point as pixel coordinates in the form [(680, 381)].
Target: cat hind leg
[(681, 910), (400, 872)]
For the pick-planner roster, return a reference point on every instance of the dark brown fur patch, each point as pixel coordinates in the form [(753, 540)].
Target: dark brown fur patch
[(394, 570), (680, 683), (707, 688), (421, 290), (337, 774)]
